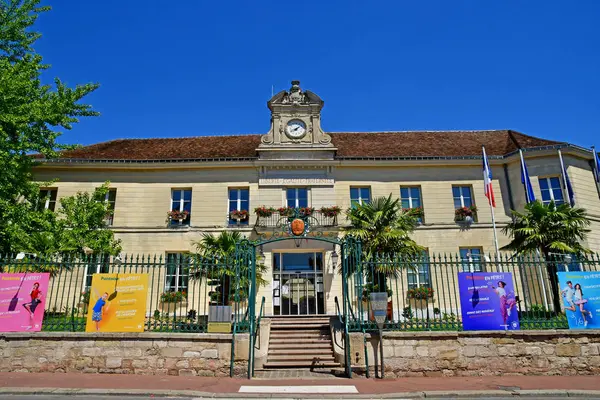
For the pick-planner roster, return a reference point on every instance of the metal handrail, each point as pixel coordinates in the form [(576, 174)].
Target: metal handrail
[(364, 337), (256, 328), (339, 314), (232, 358)]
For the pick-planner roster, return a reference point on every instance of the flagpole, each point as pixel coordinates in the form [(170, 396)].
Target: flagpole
[(524, 176), (495, 234), (563, 172), (487, 170)]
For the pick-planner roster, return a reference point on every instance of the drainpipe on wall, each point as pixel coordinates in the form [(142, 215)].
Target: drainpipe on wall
[(511, 201)]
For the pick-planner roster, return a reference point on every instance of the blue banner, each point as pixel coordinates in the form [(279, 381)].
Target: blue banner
[(487, 301), (580, 294)]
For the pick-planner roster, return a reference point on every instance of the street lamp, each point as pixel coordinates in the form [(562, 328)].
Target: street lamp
[(334, 257)]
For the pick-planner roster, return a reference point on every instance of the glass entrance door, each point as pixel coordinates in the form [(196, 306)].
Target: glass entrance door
[(298, 283)]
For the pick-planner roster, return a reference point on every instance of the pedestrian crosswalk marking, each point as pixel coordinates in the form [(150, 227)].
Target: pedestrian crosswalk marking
[(299, 389)]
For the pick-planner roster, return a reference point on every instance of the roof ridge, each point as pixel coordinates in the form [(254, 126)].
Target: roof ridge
[(180, 137), (430, 131), (512, 133), (328, 132)]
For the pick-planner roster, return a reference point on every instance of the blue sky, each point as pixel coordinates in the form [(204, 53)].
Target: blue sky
[(190, 67)]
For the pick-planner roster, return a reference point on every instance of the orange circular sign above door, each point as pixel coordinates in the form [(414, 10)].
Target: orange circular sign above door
[(297, 226)]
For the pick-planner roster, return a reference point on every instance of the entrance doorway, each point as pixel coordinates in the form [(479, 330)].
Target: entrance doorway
[(298, 283)]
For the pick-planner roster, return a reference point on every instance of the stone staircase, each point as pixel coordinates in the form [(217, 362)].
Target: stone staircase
[(300, 342)]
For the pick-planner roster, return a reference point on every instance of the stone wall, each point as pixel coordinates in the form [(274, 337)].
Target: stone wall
[(123, 353), (482, 353)]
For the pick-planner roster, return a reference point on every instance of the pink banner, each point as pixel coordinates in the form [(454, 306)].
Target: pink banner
[(22, 301)]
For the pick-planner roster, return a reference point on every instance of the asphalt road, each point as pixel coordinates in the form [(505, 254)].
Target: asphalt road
[(150, 396)]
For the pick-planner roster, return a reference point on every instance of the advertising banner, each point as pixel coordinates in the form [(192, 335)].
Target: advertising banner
[(22, 301), (487, 301), (117, 303), (580, 293)]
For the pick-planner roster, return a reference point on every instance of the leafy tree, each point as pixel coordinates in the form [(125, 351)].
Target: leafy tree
[(32, 117), (82, 224), (548, 229), (77, 231), (384, 230), (216, 262)]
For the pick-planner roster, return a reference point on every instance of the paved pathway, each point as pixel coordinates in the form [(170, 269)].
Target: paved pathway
[(189, 386)]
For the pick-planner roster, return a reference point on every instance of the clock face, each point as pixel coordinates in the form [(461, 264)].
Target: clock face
[(295, 129)]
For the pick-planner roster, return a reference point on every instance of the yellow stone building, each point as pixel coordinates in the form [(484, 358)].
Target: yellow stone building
[(298, 164)]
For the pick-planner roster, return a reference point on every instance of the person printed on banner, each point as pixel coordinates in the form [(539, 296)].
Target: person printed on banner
[(568, 293), (101, 306), (507, 302), (580, 301), (36, 299)]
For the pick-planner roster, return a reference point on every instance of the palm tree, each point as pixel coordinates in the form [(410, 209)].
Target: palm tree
[(384, 231), (216, 261), (548, 229)]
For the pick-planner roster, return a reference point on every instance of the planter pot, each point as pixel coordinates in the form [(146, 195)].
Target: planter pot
[(420, 303), (170, 307)]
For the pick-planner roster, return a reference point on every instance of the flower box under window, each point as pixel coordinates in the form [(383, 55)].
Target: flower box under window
[(465, 214), (264, 212), (176, 215), (239, 215)]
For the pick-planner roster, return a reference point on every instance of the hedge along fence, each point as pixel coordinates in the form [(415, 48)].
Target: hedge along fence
[(424, 295), (180, 288)]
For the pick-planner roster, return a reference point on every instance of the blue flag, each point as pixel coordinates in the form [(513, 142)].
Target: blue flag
[(529, 195)]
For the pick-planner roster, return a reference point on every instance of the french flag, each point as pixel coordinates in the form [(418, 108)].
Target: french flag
[(487, 180)]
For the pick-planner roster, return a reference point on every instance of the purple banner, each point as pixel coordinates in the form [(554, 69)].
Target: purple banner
[(487, 301)]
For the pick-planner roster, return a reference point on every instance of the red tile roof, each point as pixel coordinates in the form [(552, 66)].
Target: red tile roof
[(348, 144)]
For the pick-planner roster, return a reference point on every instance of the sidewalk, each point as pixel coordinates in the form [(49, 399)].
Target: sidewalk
[(73, 383)]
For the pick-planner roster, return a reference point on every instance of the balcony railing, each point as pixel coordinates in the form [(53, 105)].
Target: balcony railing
[(316, 219)]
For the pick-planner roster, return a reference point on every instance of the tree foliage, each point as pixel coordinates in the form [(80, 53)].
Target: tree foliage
[(79, 226), (549, 230), (383, 228), (32, 117), (216, 260)]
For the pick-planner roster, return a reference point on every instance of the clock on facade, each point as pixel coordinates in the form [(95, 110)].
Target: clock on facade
[(295, 129)]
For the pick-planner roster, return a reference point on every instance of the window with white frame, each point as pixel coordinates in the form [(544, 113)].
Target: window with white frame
[(418, 274), (48, 199), (551, 190), (97, 265), (111, 198), (181, 201), (178, 272), (297, 197), (239, 200), (360, 195), (463, 196), (471, 259), (410, 197)]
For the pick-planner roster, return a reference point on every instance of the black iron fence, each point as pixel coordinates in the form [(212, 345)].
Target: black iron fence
[(423, 293)]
